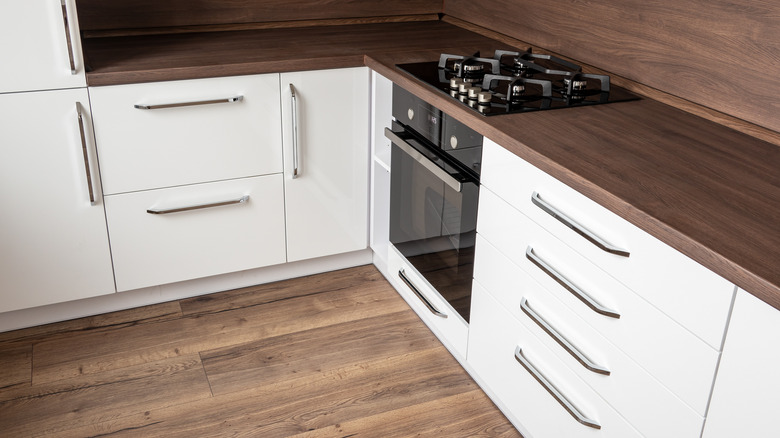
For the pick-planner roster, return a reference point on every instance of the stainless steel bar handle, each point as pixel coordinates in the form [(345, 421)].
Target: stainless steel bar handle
[(563, 342), (571, 287), (577, 228), (240, 200), (419, 294), (557, 395), (194, 103), (85, 152), (422, 159), (68, 40), (296, 153)]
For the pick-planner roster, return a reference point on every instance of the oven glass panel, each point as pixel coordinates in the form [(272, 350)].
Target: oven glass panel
[(433, 225)]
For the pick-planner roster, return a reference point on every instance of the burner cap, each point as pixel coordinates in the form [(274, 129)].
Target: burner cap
[(516, 90), (578, 84)]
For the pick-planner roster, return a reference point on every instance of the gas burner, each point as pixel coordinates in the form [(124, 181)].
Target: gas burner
[(515, 87), (575, 84), (469, 66)]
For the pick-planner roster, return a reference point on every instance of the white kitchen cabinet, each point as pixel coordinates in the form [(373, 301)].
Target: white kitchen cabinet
[(175, 234), (326, 147), (166, 134), (40, 45), (746, 396), (53, 238)]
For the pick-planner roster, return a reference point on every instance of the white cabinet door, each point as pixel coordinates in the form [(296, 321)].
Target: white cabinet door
[(53, 239), (35, 46), (746, 396), (326, 142)]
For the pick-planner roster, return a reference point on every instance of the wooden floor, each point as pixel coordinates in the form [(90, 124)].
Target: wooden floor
[(332, 355)]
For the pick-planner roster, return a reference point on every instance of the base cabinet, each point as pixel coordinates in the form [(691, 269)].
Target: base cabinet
[(54, 240), (746, 395), (325, 132)]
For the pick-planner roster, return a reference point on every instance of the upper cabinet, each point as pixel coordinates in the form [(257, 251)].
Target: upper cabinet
[(326, 142), (746, 396), (52, 223), (40, 43)]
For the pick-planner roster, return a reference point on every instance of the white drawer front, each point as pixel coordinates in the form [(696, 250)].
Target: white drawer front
[(631, 390), (643, 332), (152, 249), (674, 283), (493, 339), (143, 149), (452, 330)]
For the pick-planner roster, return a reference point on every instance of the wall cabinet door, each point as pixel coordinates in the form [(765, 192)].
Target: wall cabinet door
[(326, 142), (53, 239), (40, 45), (746, 395)]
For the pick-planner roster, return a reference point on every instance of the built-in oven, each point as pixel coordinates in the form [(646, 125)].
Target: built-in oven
[(434, 192)]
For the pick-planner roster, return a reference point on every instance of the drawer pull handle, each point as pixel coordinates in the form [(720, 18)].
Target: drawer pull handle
[(571, 349), (571, 287), (195, 103), (579, 229), (240, 200), (296, 153), (560, 398), (68, 40), (86, 154), (419, 294)]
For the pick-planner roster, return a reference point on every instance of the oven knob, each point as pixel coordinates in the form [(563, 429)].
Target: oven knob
[(410, 113), (454, 142)]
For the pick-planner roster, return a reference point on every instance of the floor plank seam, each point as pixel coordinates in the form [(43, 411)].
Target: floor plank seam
[(205, 374)]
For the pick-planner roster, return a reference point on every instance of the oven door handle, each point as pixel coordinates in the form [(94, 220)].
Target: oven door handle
[(422, 159)]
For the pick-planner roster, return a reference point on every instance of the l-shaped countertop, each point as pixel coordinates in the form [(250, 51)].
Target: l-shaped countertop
[(705, 189)]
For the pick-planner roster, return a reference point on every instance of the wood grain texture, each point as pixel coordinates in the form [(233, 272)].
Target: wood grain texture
[(15, 366), (99, 14), (722, 54), (706, 190), (373, 369), (189, 56)]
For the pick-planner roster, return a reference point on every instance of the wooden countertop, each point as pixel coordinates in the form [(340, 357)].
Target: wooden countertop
[(706, 190)]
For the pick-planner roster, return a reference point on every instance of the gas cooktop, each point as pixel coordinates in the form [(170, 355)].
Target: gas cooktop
[(513, 82)]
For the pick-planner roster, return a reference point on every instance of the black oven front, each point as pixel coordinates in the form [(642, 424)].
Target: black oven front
[(434, 192)]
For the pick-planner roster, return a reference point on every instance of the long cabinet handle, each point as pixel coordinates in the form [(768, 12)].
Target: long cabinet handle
[(579, 229), (571, 287), (240, 200), (85, 153), (419, 294), (563, 342), (296, 153), (557, 395), (422, 159), (194, 103), (68, 39)]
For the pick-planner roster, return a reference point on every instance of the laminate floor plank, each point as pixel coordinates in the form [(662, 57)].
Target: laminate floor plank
[(56, 408), (329, 355), (312, 351), (15, 366), (98, 352), (361, 276), (97, 323)]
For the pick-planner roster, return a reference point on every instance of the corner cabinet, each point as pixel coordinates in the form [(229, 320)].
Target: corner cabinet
[(53, 236), (41, 47), (325, 118), (746, 396)]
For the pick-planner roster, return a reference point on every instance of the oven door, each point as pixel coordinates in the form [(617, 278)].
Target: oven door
[(433, 217)]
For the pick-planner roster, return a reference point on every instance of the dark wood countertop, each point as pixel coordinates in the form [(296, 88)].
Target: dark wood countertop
[(706, 190)]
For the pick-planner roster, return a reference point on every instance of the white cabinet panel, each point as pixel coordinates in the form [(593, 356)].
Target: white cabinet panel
[(683, 289), (152, 249), (746, 396), (34, 46), (237, 135), (326, 136), (53, 240), (628, 388), (494, 337), (643, 332)]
